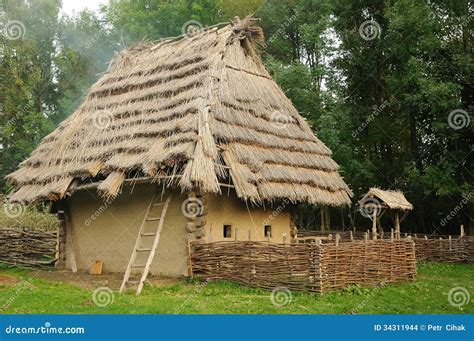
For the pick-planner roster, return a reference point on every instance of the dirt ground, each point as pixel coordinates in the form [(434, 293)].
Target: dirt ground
[(88, 281), (8, 280)]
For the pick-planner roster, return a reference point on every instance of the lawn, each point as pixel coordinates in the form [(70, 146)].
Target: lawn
[(25, 292)]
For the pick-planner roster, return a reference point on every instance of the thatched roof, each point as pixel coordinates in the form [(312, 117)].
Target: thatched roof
[(391, 199), (197, 111)]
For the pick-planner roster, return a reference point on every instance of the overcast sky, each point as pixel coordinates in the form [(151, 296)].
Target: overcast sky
[(70, 6)]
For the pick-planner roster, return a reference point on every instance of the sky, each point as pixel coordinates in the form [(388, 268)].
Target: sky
[(70, 6)]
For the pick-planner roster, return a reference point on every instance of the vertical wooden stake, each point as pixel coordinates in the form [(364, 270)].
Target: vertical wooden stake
[(397, 225), (461, 233), (374, 225), (190, 262), (351, 236), (337, 239), (391, 235)]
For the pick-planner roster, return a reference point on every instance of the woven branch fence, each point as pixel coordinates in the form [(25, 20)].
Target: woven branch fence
[(446, 249), (451, 250), (306, 267), (29, 249)]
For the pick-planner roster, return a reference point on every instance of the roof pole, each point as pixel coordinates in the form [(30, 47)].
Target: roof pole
[(397, 225), (374, 224)]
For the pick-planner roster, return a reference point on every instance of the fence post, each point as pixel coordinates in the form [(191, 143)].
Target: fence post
[(441, 253), (461, 232), (351, 236)]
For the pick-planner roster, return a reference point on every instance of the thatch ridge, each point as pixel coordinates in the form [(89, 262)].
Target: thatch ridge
[(201, 109), (393, 199)]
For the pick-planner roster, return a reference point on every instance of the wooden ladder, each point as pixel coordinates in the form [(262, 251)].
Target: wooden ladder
[(138, 249)]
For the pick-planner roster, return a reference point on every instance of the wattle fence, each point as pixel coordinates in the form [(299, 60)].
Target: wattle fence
[(27, 248), (306, 267), (445, 249)]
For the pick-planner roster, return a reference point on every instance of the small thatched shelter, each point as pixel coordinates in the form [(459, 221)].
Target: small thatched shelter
[(377, 200), (197, 117)]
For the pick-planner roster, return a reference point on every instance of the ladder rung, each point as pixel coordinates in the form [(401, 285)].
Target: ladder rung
[(143, 250), (138, 266), (158, 204), (148, 234), (153, 219), (133, 282)]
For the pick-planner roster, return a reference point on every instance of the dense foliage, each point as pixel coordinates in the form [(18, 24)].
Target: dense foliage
[(386, 84)]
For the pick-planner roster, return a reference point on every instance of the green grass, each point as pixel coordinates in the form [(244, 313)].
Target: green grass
[(427, 295)]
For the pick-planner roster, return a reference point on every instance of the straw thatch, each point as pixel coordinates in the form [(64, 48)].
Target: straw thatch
[(391, 199), (201, 109)]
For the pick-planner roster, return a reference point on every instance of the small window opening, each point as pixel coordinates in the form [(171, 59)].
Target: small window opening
[(227, 231), (267, 229)]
